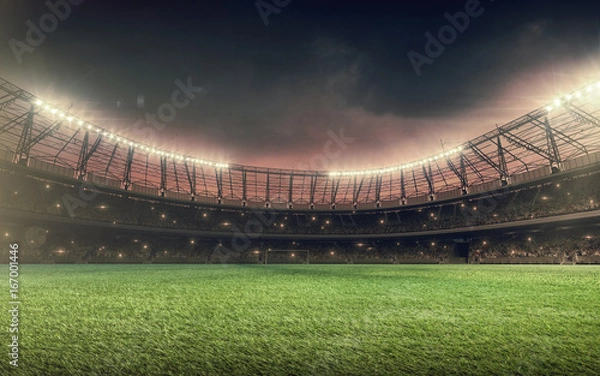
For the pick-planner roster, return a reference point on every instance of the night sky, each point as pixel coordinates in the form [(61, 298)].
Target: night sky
[(270, 89)]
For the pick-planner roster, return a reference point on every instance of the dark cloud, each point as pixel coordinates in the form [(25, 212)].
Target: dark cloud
[(272, 92)]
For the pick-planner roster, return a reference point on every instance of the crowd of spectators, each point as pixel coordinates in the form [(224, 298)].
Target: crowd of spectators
[(70, 246), (79, 201), (566, 246)]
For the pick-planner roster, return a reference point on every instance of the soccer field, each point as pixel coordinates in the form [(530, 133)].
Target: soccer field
[(307, 320)]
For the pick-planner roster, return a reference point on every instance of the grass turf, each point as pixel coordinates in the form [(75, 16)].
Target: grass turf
[(307, 320)]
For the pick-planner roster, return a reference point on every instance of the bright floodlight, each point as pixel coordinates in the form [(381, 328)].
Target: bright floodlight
[(80, 122)]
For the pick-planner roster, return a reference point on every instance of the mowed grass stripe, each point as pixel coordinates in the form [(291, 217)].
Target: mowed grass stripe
[(309, 319)]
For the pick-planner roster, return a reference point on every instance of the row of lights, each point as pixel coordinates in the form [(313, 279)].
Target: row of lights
[(387, 170), (73, 120), (56, 112), (558, 102)]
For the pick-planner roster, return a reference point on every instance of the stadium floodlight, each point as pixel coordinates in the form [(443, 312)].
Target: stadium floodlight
[(99, 130)]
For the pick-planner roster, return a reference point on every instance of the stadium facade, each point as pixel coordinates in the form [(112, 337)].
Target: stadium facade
[(537, 172)]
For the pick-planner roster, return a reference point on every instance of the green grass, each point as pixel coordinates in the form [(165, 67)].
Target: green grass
[(307, 320)]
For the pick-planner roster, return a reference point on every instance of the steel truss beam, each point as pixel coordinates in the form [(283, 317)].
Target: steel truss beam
[(474, 168), (552, 148), (502, 171), (176, 175), (219, 181), (127, 172), (562, 136), (85, 155), (462, 177), (335, 184), (498, 144), (429, 179), (163, 175), (502, 163), (531, 140), (244, 186), (582, 115), (439, 170), (356, 190), (14, 122), (191, 175), (313, 188), (513, 139), (291, 191), (110, 160), (66, 144), (22, 152), (378, 184)]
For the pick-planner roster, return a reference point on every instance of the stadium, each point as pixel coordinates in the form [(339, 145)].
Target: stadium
[(526, 192), (286, 187)]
